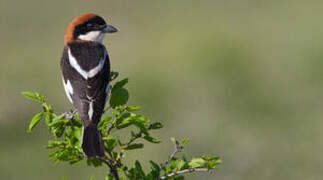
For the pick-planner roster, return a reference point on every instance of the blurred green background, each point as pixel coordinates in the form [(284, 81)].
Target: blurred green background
[(240, 78)]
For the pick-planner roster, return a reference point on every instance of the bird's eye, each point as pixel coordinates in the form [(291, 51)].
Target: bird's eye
[(89, 25)]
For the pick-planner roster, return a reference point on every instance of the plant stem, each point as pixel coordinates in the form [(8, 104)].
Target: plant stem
[(113, 169), (183, 172), (177, 149)]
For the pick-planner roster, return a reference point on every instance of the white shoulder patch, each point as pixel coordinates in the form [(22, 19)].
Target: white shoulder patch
[(83, 73), (75, 65), (97, 69)]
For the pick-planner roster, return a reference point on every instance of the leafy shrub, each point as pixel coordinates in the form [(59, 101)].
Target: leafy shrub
[(67, 133)]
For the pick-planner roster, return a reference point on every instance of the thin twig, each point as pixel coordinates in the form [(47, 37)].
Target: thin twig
[(183, 172), (111, 125), (113, 169), (133, 138), (178, 148), (70, 115)]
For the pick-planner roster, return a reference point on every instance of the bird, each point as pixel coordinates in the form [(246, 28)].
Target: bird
[(85, 67)]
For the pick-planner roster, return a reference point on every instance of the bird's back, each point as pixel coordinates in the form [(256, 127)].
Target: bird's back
[(88, 56)]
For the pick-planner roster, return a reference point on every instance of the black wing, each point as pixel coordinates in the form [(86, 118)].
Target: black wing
[(88, 95)]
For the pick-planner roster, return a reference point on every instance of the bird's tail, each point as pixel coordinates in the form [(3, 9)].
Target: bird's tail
[(92, 142)]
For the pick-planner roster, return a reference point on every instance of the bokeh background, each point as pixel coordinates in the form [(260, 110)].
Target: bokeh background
[(240, 78)]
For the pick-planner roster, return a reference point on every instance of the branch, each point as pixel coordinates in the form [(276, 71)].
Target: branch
[(184, 171), (70, 115), (113, 169), (178, 148)]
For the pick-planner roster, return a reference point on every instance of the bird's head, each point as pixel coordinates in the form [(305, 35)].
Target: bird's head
[(88, 27)]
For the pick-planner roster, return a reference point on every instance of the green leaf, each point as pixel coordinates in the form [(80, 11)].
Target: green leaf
[(115, 155), (49, 108), (139, 170), (179, 178), (49, 118), (156, 125), (56, 144), (58, 132), (219, 161), (177, 164), (185, 141), (34, 96), (119, 84), (104, 122), (212, 161), (141, 121), (134, 146), (155, 171), (154, 165), (133, 108), (76, 161), (120, 143), (76, 122), (111, 142), (109, 177), (94, 162), (119, 97), (151, 139), (181, 164), (35, 120), (58, 121), (174, 141), (124, 120), (197, 163)]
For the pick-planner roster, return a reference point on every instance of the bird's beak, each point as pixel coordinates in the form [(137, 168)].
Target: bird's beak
[(109, 29)]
